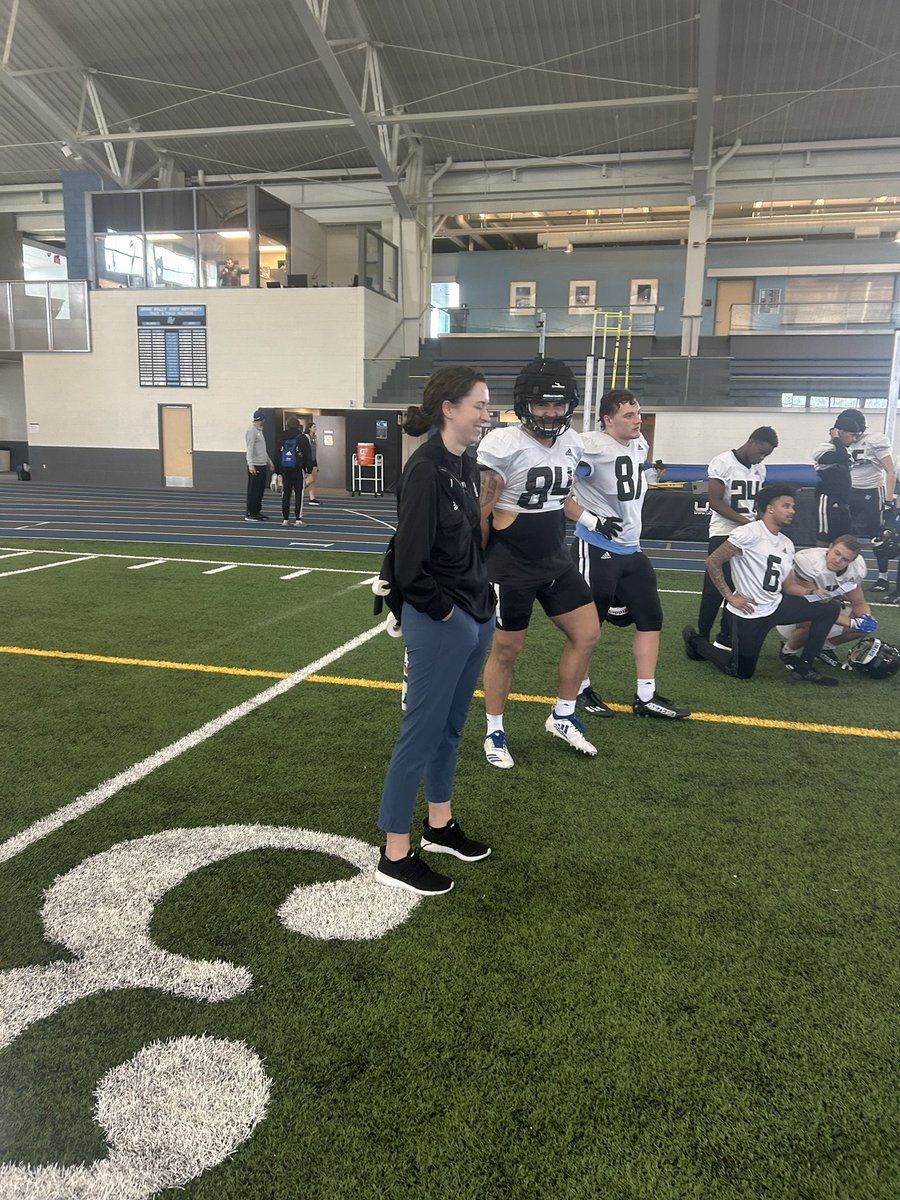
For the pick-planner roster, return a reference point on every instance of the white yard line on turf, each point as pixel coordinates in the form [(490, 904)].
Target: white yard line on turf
[(219, 570), (154, 562), (105, 791), (197, 561), (47, 566), (16, 554)]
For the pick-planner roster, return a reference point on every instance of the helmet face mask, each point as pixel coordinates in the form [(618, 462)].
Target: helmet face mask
[(547, 381), (888, 538), (875, 658)]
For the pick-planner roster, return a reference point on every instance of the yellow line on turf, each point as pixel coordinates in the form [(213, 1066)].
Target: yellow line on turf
[(710, 718), (145, 662), (388, 685)]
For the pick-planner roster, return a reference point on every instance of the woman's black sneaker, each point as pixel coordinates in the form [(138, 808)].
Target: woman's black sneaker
[(412, 875), (452, 840)]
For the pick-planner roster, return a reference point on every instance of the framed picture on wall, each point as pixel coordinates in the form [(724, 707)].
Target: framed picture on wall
[(522, 298), (644, 292), (582, 295)]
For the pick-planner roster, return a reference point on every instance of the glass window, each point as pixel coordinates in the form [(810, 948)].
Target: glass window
[(119, 259), (224, 262), (116, 212), (169, 209), (876, 402), (792, 400), (29, 313), (222, 208), (274, 216), (172, 260), (5, 318), (68, 316), (273, 267)]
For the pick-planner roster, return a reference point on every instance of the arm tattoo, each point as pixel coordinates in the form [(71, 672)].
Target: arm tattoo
[(491, 486)]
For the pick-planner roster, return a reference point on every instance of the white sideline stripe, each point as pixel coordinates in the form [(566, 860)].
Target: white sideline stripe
[(369, 517), (202, 561), (219, 570), (295, 574), (47, 566), (16, 554), (105, 791), (155, 562)]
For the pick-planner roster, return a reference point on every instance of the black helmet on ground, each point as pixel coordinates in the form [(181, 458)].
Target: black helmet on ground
[(875, 658)]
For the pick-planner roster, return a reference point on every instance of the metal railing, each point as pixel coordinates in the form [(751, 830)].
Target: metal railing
[(524, 322), (45, 316), (813, 315)]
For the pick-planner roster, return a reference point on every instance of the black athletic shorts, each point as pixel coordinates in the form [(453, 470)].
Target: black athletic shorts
[(833, 518), (865, 508), (556, 597), (620, 579)]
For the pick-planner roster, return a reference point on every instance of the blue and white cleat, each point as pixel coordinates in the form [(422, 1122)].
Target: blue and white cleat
[(570, 730)]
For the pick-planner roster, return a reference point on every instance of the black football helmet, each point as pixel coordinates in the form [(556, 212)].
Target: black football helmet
[(545, 379), (875, 658), (888, 537)]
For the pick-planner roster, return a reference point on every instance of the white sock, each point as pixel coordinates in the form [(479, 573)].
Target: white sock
[(495, 724), (646, 689), (787, 650), (564, 708), (882, 575), (585, 683), (829, 645)]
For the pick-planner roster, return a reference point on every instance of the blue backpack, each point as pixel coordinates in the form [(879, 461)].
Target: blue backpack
[(289, 454)]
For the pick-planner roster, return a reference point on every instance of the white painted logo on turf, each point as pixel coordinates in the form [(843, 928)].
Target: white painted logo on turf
[(201, 1096)]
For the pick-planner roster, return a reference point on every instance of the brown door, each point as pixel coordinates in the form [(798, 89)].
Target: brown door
[(177, 442), (728, 293), (648, 429)]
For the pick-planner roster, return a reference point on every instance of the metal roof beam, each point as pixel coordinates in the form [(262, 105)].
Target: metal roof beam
[(393, 118), (316, 35)]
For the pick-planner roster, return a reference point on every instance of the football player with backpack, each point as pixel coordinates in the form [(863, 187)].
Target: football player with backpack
[(294, 458)]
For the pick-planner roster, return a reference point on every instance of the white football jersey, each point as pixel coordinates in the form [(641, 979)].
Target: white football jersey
[(761, 567), (810, 565), (536, 477), (867, 453), (742, 486), (610, 482)]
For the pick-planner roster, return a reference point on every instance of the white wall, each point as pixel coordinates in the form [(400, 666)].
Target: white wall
[(308, 248), (695, 435), (279, 348), (341, 255), (13, 421)]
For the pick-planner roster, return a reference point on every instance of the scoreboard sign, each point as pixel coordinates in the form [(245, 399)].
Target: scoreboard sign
[(172, 345)]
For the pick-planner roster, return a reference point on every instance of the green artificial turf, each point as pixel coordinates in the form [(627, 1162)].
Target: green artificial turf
[(676, 976)]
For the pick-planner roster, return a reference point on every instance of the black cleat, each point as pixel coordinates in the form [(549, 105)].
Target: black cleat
[(803, 673), (588, 701), (659, 706), (787, 660), (689, 633), (880, 585), (828, 657)]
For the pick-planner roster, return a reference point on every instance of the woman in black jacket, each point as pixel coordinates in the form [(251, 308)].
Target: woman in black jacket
[(447, 622)]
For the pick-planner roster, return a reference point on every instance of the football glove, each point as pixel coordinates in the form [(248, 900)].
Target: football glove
[(866, 624), (610, 527)]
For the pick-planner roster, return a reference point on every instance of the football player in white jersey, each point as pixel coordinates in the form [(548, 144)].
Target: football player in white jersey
[(735, 478), (872, 479), (606, 505), (765, 594), (837, 572), (526, 477)]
